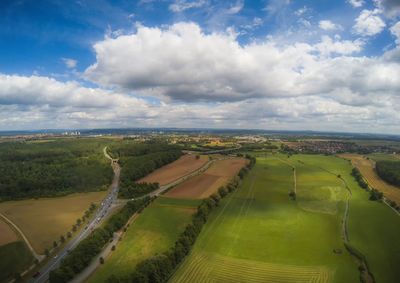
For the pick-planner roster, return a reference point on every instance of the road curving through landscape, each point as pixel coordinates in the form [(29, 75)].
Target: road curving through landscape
[(102, 212)]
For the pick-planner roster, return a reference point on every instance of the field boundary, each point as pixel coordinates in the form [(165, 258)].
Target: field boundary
[(294, 173), (366, 274), (365, 177), (9, 222)]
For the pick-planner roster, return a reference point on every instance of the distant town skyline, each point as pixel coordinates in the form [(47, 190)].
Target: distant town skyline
[(268, 64)]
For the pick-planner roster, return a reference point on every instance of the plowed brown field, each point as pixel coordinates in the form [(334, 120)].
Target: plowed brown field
[(173, 171), (205, 184)]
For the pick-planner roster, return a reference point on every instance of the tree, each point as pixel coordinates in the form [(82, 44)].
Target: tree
[(375, 195), (197, 156), (62, 239), (55, 244), (74, 228), (46, 252), (101, 260), (292, 195), (78, 221), (113, 248), (69, 234), (17, 276)]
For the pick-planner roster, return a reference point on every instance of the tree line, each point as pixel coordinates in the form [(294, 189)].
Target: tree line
[(52, 169), (135, 190), (359, 178), (160, 267), (389, 171), (80, 257)]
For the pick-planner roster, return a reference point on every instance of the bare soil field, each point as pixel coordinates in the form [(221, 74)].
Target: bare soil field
[(203, 185), (181, 167), (7, 234), (45, 220), (367, 169)]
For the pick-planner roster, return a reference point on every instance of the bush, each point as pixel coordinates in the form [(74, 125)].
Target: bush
[(375, 195), (360, 180)]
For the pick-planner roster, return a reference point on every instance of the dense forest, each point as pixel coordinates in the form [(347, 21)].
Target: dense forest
[(389, 171), (139, 159), (53, 168)]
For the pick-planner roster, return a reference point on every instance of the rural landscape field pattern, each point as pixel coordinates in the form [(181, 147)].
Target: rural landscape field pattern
[(258, 234)]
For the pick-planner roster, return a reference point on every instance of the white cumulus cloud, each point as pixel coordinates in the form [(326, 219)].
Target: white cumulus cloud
[(328, 25), (369, 23), (356, 3), (181, 5), (395, 30), (183, 63), (69, 63)]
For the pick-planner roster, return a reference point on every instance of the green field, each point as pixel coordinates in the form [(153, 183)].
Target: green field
[(154, 231), (15, 258), (259, 235)]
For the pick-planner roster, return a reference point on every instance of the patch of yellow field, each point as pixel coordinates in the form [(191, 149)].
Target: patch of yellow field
[(205, 267), (45, 220), (7, 234)]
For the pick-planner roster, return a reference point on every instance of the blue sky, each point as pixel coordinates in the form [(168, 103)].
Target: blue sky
[(273, 64)]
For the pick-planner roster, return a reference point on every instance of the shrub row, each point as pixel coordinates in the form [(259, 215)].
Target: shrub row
[(352, 250), (359, 178), (79, 258), (159, 268), (393, 204)]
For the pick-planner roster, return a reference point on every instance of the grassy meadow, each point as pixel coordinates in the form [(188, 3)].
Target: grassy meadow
[(154, 231), (258, 234)]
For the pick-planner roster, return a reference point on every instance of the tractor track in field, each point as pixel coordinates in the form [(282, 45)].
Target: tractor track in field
[(246, 205)]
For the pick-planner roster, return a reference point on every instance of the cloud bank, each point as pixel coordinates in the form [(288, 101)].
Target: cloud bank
[(180, 75)]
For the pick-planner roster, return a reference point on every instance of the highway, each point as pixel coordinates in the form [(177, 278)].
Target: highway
[(107, 249), (100, 214)]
